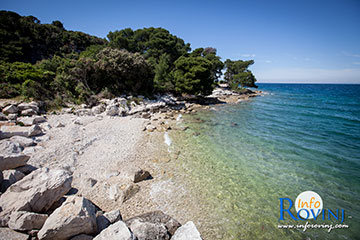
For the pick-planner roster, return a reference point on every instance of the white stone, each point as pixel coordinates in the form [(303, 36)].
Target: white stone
[(188, 231), (9, 234), (23, 141), (36, 192), (116, 231), (75, 216)]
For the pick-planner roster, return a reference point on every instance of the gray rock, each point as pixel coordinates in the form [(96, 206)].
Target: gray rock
[(28, 112), (36, 192), (25, 221), (9, 131), (134, 174), (148, 230), (28, 121), (35, 130), (26, 169), (98, 109), (23, 141), (82, 237), (59, 125), (11, 177), (10, 109), (158, 222), (123, 192), (13, 161), (84, 112), (11, 156), (9, 234), (3, 117), (32, 105), (113, 216), (75, 216), (106, 219), (112, 110), (116, 231), (12, 116), (187, 232)]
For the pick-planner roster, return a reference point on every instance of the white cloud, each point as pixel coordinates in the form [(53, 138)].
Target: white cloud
[(248, 55), (308, 75), (350, 54)]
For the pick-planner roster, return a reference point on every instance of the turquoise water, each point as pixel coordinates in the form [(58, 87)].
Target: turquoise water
[(242, 158)]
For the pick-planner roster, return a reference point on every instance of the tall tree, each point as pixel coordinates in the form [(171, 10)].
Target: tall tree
[(237, 74)]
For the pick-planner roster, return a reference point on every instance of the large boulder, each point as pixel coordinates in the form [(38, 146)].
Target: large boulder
[(153, 225), (36, 192), (75, 216), (116, 231), (9, 234), (11, 156), (25, 221), (187, 232), (10, 109)]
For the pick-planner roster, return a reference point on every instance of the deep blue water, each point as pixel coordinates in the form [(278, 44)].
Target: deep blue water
[(297, 137)]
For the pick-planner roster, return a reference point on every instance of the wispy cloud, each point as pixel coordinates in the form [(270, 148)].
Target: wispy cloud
[(350, 54), (248, 55), (268, 61)]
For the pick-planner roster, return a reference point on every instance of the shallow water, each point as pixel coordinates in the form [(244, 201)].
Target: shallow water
[(242, 158)]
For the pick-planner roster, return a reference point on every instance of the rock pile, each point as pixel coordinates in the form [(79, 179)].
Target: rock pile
[(41, 203)]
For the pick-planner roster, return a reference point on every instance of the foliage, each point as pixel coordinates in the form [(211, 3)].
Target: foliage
[(152, 43), (209, 53), (237, 74), (192, 75), (25, 39), (23, 78)]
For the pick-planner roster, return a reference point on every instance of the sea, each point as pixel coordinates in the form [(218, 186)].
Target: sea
[(241, 159)]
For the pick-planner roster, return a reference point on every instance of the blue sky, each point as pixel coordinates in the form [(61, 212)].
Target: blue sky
[(290, 41)]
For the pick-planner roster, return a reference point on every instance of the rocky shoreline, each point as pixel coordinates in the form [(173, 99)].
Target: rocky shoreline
[(88, 172)]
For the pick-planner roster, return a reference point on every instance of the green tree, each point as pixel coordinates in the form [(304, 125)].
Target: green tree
[(162, 78), (237, 74), (210, 54), (193, 75)]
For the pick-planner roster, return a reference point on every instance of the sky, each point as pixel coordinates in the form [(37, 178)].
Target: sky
[(297, 41)]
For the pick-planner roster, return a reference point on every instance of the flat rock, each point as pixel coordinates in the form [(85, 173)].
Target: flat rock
[(187, 232), (9, 131), (11, 156), (25, 221), (75, 216), (28, 121), (149, 224), (116, 231), (23, 141), (26, 169), (10, 109), (35, 193), (9, 234), (28, 112), (32, 105)]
